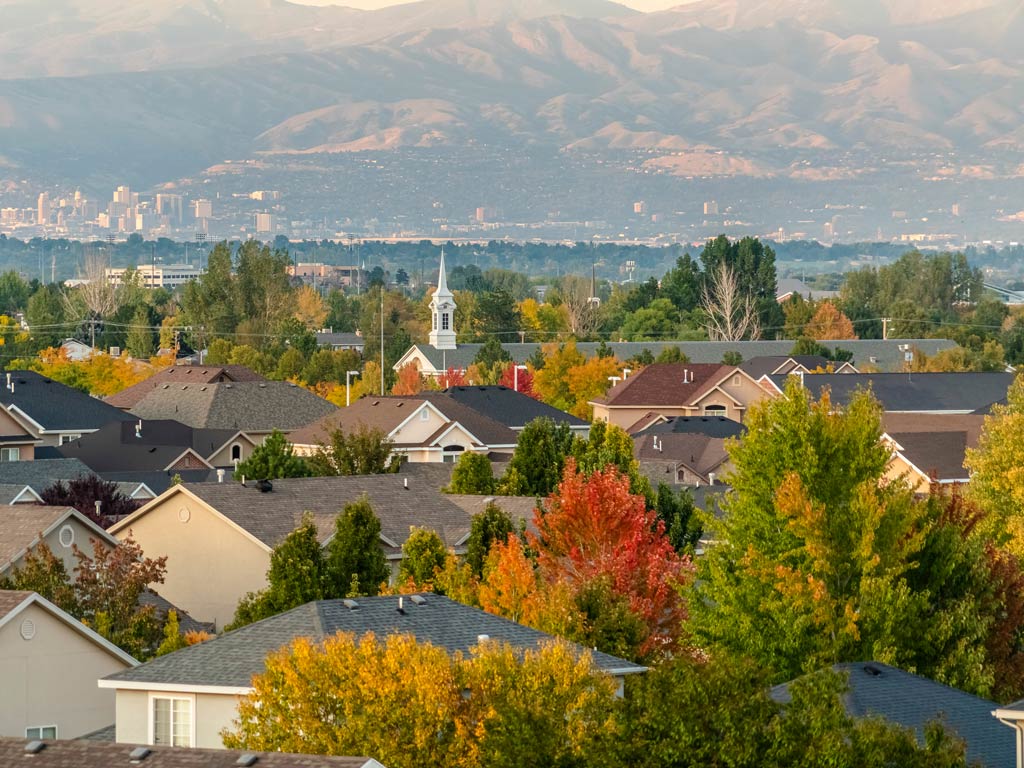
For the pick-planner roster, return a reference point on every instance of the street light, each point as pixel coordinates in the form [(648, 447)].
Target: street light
[(515, 376), (626, 372), (348, 386), (614, 380)]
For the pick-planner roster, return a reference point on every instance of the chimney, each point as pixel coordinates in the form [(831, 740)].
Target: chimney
[(9, 385), (220, 475), (686, 376), (401, 605), (711, 478)]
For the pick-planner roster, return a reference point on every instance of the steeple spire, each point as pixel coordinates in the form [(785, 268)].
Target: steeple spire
[(442, 279), (442, 310)]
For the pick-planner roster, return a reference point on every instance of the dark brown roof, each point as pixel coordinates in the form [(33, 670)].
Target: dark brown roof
[(940, 455), (97, 754), (935, 422), (182, 374), (700, 452), (666, 384)]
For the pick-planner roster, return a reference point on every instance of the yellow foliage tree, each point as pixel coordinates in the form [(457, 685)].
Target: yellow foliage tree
[(100, 375), (310, 307), (590, 381), (830, 324), (551, 382)]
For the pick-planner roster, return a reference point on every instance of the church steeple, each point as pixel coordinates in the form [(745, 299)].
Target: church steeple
[(442, 310)]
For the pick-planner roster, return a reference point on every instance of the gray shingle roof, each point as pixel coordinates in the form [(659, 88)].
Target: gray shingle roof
[(762, 366), (912, 702), (513, 409), (272, 516), (248, 406), (182, 374), (886, 353), (95, 753), (919, 392), (115, 447), (21, 524), (235, 657), (43, 473), (712, 426), (56, 406)]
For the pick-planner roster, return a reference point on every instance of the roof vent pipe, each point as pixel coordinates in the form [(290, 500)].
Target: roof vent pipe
[(401, 605), (220, 475)]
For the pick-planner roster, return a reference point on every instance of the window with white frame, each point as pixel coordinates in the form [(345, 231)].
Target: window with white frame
[(65, 439), (714, 410), (10, 454), (41, 732), (171, 720)]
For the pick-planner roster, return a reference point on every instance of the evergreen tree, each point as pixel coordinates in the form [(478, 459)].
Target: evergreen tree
[(363, 451), (472, 475), (173, 639), (422, 555), (140, 335), (538, 460), (489, 526), (355, 551), (492, 353), (271, 460)]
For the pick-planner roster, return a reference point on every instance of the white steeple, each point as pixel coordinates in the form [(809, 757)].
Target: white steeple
[(442, 311)]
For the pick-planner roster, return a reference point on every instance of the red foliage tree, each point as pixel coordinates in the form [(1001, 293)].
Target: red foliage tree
[(453, 377), (523, 384), (408, 382), (594, 528)]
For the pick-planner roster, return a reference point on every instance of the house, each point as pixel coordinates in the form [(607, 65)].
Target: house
[(218, 537), (423, 428), (159, 445), (84, 753), (919, 393), (50, 412), (49, 665), (912, 702), (679, 389), (340, 342), (76, 350), (253, 407), (929, 449), (24, 526), (788, 287), (685, 450), (37, 476), (127, 398), (201, 684), (506, 406), (774, 365)]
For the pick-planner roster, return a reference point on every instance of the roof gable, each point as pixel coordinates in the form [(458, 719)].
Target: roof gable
[(23, 526)]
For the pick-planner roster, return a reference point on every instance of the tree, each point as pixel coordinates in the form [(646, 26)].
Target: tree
[(108, 585), (140, 335), (595, 527), (423, 554), (828, 323), (730, 315), (829, 563), (492, 353), (362, 451), (173, 639), (354, 555), (589, 381), (409, 381), (537, 462), (679, 516), (610, 446), (490, 526), (472, 475), (43, 572), (97, 499), (274, 458), (584, 315), (732, 357), (310, 308), (520, 381), (552, 381)]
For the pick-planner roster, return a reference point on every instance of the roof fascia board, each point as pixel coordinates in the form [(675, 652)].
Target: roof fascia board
[(137, 685)]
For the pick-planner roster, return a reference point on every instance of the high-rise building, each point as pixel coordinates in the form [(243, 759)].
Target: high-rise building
[(265, 223), (170, 206), (710, 208), (123, 195), (640, 207), (202, 209), (43, 209)]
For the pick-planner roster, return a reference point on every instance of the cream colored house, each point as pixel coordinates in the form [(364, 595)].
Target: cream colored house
[(188, 697), (679, 389), (218, 537), (49, 665), (61, 528)]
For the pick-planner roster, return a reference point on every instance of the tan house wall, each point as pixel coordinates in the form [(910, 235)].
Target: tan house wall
[(51, 679), (9, 426), (417, 430), (223, 457), (899, 469), (212, 712), (82, 538), (210, 563), (627, 417)]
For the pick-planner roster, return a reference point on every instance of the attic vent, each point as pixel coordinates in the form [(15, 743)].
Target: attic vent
[(352, 605), (28, 629), (262, 386), (247, 760), (419, 599), (66, 536), (34, 747), (167, 386), (139, 754), (227, 386), (872, 670)]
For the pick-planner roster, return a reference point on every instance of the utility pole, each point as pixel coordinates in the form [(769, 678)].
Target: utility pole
[(382, 341), (885, 328)]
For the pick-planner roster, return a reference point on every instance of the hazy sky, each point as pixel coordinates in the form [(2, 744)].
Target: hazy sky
[(640, 5)]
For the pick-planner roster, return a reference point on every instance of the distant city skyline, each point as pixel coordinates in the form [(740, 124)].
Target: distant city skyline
[(640, 5)]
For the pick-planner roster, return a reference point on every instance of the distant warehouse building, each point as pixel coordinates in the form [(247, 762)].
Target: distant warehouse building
[(158, 276)]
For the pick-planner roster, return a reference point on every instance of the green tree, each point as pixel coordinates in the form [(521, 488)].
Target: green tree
[(488, 526), (679, 515), (272, 459), (538, 460), (43, 572), (362, 451), (140, 335), (422, 555), (829, 563), (46, 317), (472, 475), (492, 353), (298, 574), (608, 445), (173, 639), (354, 555)]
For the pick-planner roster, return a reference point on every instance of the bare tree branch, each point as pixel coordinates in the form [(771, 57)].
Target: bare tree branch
[(730, 315)]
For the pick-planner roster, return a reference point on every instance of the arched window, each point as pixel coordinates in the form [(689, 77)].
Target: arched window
[(715, 410), (452, 453), (236, 452)]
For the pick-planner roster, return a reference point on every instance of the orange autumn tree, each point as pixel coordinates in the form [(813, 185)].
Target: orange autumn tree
[(830, 324), (409, 381)]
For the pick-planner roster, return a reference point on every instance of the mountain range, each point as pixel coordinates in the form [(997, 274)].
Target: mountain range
[(164, 88)]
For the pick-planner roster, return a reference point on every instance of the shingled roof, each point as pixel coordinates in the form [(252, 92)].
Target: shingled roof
[(87, 753), (912, 702), (182, 374), (232, 659), (938, 393), (247, 406), (22, 524), (666, 385), (513, 409), (55, 407), (712, 426), (399, 500)]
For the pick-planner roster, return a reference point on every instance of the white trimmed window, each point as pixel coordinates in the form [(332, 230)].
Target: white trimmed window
[(715, 410), (41, 732), (65, 439), (10, 454), (171, 721)]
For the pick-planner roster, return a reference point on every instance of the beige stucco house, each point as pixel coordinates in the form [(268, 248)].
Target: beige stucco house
[(679, 389), (49, 665), (61, 528)]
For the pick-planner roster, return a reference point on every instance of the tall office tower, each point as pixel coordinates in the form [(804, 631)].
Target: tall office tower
[(170, 206), (123, 195), (202, 209), (710, 208), (43, 209)]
